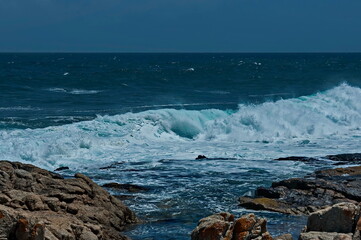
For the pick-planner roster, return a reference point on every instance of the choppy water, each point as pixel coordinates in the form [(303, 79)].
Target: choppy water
[(154, 113)]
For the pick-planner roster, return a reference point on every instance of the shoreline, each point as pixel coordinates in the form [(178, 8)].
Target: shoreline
[(35, 201)]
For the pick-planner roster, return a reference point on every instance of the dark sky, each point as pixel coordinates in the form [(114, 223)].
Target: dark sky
[(180, 25)]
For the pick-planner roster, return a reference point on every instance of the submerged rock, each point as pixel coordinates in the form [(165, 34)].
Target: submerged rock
[(224, 226), (127, 187), (37, 204)]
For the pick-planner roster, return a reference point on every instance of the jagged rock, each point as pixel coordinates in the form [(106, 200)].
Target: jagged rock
[(325, 236), (339, 218), (62, 169), (36, 204), (223, 226), (307, 195)]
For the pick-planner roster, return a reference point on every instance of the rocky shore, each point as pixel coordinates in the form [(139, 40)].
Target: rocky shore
[(36, 204), (339, 222), (303, 196), (330, 197)]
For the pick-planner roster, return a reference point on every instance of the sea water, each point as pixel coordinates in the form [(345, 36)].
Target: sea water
[(151, 115)]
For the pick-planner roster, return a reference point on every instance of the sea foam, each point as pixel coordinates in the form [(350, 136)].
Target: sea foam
[(324, 123)]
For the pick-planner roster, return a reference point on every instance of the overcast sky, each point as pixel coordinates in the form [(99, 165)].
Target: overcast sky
[(180, 25)]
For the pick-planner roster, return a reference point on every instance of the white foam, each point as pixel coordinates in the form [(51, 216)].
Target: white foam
[(324, 123)]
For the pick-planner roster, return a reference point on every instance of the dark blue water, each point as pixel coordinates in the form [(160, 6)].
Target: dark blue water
[(62, 88), (152, 114)]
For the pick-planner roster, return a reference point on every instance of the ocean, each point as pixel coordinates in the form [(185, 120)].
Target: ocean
[(150, 116)]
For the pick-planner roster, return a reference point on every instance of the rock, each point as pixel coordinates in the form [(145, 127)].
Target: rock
[(325, 236), (303, 196), (264, 204), (201, 157), (297, 159), (37, 204), (128, 187), (114, 165), (286, 236), (348, 157), (214, 227), (62, 169), (223, 226), (339, 218), (350, 171)]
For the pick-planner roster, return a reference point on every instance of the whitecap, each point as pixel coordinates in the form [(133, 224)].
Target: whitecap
[(328, 121)]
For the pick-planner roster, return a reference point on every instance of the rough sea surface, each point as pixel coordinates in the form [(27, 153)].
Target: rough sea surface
[(150, 115)]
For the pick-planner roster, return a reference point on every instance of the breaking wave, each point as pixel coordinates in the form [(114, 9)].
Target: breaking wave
[(328, 120)]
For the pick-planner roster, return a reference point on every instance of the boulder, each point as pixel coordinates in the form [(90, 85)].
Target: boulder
[(37, 204), (223, 226), (339, 218)]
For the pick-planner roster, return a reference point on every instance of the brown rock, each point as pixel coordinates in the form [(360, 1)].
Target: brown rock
[(303, 196), (286, 236), (325, 236), (37, 204), (339, 218), (223, 227), (214, 227)]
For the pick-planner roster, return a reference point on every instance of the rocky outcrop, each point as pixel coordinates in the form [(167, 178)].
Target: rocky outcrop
[(36, 204), (339, 159), (347, 157), (341, 218), (224, 226), (307, 195), (339, 222)]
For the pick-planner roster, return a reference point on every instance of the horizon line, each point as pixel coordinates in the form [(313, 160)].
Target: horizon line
[(178, 52)]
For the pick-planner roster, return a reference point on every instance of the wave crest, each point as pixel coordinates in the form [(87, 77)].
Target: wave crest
[(328, 120)]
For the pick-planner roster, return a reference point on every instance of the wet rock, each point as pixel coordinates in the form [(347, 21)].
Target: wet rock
[(61, 169), (114, 165), (286, 236), (37, 204), (339, 218), (307, 195), (325, 236), (264, 204), (128, 187), (201, 157), (223, 226), (124, 197), (214, 227), (297, 159), (349, 157), (343, 172)]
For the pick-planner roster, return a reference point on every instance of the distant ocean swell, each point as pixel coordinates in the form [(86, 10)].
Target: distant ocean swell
[(330, 120)]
